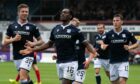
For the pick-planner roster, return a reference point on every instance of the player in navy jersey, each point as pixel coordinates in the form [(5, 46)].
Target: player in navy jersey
[(21, 33), (64, 37), (80, 51), (103, 57), (118, 41)]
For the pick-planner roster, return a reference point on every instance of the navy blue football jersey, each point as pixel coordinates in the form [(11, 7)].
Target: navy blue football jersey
[(103, 54), (80, 50), (27, 32), (64, 39), (116, 42)]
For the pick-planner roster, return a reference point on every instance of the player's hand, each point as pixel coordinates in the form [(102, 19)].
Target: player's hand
[(54, 57), (30, 43), (16, 38), (104, 46), (126, 47), (26, 51), (100, 42), (86, 64)]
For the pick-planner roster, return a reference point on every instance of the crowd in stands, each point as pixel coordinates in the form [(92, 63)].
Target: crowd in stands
[(83, 9), (105, 9)]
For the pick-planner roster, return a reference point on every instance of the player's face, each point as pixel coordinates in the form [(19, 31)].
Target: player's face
[(65, 15), (117, 22), (100, 29), (23, 13)]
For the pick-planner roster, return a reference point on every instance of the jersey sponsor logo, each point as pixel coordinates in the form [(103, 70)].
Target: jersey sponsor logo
[(63, 36), (22, 32), (119, 41)]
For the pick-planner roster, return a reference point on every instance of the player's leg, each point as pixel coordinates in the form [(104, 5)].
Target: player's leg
[(106, 66), (25, 67), (114, 73), (37, 72), (122, 80), (17, 64), (60, 72), (66, 81), (69, 69), (17, 77), (97, 66), (123, 72), (107, 74)]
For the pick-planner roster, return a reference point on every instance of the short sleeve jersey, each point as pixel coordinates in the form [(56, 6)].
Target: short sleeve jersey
[(64, 40), (27, 32), (116, 42)]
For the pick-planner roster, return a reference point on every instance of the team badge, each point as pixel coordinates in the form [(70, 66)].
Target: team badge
[(68, 30), (104, 36), (123, 35), (96, 37), (27, 27), (15, 26), (112, 35), (57, 30)]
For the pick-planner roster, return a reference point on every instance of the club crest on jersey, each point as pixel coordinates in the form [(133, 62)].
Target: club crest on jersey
[(104, 36), (68, 30), (123, 35), (112, 35), (96, 37), (57, 30), (27, 27), (15, 26)]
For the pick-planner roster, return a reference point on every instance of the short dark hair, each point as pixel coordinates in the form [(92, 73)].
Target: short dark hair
[(118, 15), (70, 12), (22, 6), (101, 24)]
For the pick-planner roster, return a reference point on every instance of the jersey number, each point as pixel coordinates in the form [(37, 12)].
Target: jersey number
[(81, 74), (28, 61)]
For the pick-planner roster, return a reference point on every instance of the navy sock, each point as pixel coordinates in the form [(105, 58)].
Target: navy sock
[(98, 79)]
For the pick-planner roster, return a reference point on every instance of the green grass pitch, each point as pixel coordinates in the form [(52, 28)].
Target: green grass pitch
[(49, 75)]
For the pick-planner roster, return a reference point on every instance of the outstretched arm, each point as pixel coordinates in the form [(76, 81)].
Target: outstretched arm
[(29, 50), (36, 42)]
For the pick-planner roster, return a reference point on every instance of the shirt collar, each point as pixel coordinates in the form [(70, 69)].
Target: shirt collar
[(22, 23), (64, 26), (118, 32)]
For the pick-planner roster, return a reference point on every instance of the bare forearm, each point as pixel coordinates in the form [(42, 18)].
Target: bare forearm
[(43, 46), (7, 41), (38, 43), (133, 46), (91, 56), (90, 48)]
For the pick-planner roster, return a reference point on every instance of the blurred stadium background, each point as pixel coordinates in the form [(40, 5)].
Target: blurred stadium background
[(45, 14)]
